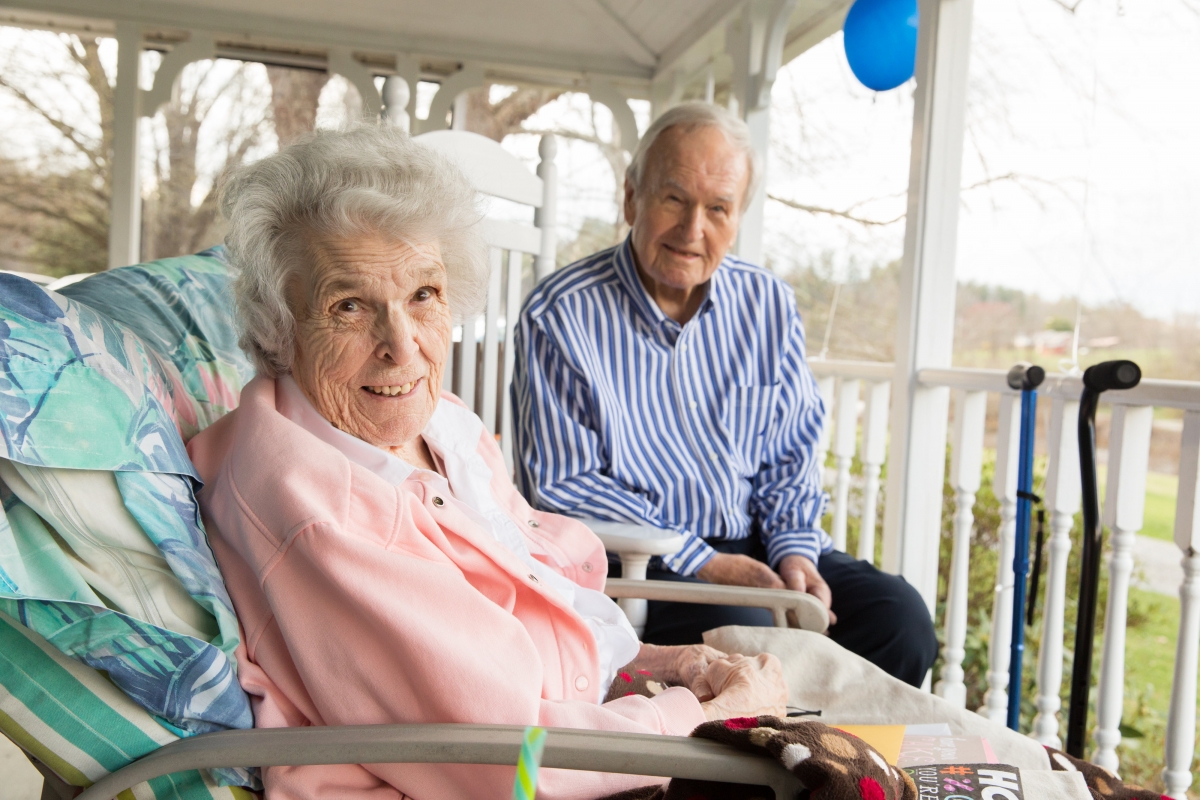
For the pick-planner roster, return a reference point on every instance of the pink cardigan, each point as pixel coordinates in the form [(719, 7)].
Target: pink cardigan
[(361, 602)]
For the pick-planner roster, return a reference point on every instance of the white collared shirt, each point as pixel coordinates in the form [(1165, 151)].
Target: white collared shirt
[(452, 433)]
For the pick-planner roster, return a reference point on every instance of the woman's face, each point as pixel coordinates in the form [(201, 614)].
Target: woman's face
[(372, 334)]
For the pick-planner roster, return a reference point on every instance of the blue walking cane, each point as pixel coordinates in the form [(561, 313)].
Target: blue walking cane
[(1026, 378)]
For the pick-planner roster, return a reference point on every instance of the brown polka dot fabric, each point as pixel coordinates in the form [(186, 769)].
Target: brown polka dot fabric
[(1100, 782), (832, 764)]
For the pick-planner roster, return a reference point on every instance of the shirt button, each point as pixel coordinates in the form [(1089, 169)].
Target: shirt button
[(683, 347), (439, 502), (581, 683), (587, 566), (533, 523), (693, 404), (712, 456)]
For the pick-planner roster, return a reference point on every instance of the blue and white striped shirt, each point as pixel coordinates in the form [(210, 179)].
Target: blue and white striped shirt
[(708, 429)]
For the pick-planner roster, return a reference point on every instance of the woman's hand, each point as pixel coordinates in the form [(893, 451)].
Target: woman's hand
[(746, 687), (679, 665)]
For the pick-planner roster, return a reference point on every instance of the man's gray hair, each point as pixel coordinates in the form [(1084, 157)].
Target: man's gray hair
[(361, 181), (691, 116)]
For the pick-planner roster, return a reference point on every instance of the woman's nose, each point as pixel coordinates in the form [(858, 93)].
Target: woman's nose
[(397, 337)]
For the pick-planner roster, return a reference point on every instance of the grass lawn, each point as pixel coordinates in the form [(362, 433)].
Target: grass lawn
[(1149, 668)]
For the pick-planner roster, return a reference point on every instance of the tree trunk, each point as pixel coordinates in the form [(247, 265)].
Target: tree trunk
[(294, 96)]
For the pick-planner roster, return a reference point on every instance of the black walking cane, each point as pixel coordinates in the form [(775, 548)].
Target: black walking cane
[(1096, 380)]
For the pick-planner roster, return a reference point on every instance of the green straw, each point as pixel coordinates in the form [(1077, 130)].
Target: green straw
[(525, 786)]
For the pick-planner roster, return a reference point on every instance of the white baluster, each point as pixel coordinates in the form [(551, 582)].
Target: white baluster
[(875, 421), (1124, 504), (825, 389), (448, 369), (491, 344), (845, 442), (546, 217), (1181, 719), (512, 310), (1008, 436), (966, 465), (1062, 503)]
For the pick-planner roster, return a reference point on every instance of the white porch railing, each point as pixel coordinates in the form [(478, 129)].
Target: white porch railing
[(841, 384)]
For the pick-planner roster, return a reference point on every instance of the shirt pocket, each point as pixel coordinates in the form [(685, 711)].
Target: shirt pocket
[(748, 416)]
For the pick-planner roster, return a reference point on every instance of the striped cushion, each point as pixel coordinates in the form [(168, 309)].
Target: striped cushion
[(99, 731)]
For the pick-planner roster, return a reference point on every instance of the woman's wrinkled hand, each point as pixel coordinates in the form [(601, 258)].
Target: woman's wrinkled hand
[(746, 687), (690, 668)]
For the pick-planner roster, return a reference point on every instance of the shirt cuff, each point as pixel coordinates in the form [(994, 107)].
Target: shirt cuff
[(811, 544), (688, 560)]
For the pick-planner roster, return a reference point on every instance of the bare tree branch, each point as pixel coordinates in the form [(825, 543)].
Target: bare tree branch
[(833, 212)]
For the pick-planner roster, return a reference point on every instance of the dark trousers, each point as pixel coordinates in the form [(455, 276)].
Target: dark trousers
[(880, 616)]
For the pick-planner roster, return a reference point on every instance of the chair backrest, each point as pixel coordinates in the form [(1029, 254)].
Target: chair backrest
[(481, 364)]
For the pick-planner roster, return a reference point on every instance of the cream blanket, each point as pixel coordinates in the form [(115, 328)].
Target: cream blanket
[(852, 691)]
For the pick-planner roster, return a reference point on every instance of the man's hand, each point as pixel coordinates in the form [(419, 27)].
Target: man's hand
[(801, 575), (734, 570)]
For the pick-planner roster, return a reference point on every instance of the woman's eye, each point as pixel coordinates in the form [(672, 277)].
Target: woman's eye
[(348, 306), (424, 293)]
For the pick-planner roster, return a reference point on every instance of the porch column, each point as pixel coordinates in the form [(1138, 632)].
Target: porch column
[(925, 318), (754, 41), (125, 211)]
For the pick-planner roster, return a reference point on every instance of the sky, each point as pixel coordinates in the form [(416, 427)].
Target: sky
[(1086, 125)]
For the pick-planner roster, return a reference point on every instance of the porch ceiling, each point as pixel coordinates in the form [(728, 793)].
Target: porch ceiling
[(630, 41)]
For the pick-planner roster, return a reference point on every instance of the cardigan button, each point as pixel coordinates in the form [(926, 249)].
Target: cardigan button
[(586, 566), (581, 683), (439, 502), (534, 578), (533, 523)]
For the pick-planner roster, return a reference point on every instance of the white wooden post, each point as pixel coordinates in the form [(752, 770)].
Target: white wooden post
[(1008, 446), (125, 214), (875, 420), (825, 389), (545, 217), (925, 322), (1181, 719), (1124, 507), (755, 43), (1062, 503), (845, 443), (966, 467)]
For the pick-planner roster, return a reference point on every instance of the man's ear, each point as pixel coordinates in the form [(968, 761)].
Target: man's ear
[(630, 203)]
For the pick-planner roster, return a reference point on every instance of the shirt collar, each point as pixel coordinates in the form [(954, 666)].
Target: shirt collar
[(626, 269)]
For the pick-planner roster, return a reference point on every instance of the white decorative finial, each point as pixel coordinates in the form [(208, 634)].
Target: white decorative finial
[(396, 95)]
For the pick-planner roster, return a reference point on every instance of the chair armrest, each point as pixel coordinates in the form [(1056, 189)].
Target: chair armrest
[(625, 537), (566, 748), (810, 612)]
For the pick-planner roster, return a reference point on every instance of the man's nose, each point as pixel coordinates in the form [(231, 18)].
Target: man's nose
[(397, 336), (693, 223)]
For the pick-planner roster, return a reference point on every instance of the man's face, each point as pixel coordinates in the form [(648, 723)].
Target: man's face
[(685, 215)]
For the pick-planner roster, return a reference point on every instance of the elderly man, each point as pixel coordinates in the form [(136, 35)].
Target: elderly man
[(664, 382)]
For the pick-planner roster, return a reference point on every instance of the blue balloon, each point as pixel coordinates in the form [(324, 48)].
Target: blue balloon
[(880, 37)]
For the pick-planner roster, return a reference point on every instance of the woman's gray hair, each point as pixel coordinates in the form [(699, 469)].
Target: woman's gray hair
[(691, 116), (364, 180)]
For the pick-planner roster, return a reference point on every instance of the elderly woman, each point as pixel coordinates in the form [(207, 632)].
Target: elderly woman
[(383, 566)]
